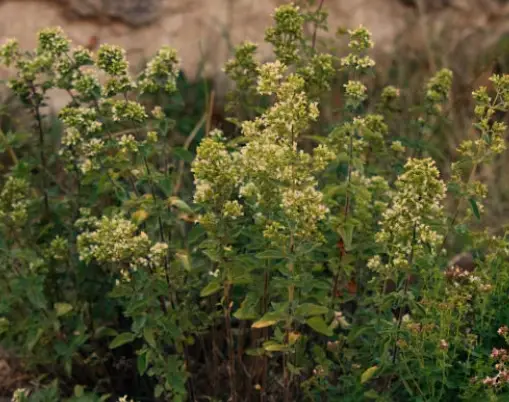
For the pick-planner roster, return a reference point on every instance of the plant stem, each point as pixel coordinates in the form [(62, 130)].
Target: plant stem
[(315, 31), (187, 144), (349, 177), (229, 340), (407, 284), (342, 251), (265, 307), (291, 289), (8, 148), (172, 296), (457, 210), (42, 156), (215, 353), (288, 329)]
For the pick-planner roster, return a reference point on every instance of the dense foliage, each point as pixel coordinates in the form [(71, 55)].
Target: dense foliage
[(307, 261)]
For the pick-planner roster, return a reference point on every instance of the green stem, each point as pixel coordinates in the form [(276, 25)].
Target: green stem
[(229, 340), (265, 307), (42, 156), (405, 291), (8, 148)]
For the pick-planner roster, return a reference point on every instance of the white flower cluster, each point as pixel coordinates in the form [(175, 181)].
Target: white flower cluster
[(116, 240), (82, 118), (112, 240), (408, 227), (216, 172), (52, 41), (360, 41), (269, 173), (158, 253), (274, 169), (20, 395), (9, 52), (270, 77), (87, 84), (128, 144), (14, 201), (161, 72), (125, 399), (83, 149), (128, 110)]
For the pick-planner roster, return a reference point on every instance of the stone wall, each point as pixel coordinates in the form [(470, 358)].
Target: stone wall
[(203, 31)]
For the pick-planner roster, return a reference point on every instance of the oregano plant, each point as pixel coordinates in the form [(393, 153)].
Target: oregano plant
[(298, 254)]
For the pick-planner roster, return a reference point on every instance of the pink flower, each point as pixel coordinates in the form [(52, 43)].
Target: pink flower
[(504, 330), (498, 353), (490, 381)]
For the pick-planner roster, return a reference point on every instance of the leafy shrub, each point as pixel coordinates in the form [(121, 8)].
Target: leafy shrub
[(290, 273)]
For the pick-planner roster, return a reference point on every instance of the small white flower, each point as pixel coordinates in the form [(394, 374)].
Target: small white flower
[(215, 273)]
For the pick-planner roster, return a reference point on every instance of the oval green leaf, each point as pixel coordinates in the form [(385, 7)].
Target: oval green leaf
[(62, 309), (319, 325), (368, 374), (310, 309), (122, 339), (269, 319), (210, 289)]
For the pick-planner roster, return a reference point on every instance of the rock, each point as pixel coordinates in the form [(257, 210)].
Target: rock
[(204, 31), (427, 4), (132, 12)]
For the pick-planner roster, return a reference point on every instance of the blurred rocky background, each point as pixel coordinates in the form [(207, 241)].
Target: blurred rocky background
[(204, 31)]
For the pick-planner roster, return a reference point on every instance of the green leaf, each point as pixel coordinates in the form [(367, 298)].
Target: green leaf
[(319, 325), (270, 255), (245, 313), (148, 335), (310, 309), (368, 374), (120, 291), (166, 185), (105, 332), (79, 391), (243, 278), (255, 352), (34, 339), (272, 346), (346, 233), (211, 288), (269, 319), (317, 138), (212, 254), (36, 297), (139, 216), (184, 259), (158, 390), (180, 204), (249, 307), (142, 362), (122, 339), (184, 154), (371, 394), (354, 334), (4, 325), (62, 308), (68, 367), (475, 208)]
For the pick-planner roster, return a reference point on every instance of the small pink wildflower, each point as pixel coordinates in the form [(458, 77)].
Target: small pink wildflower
[(444, 345)]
